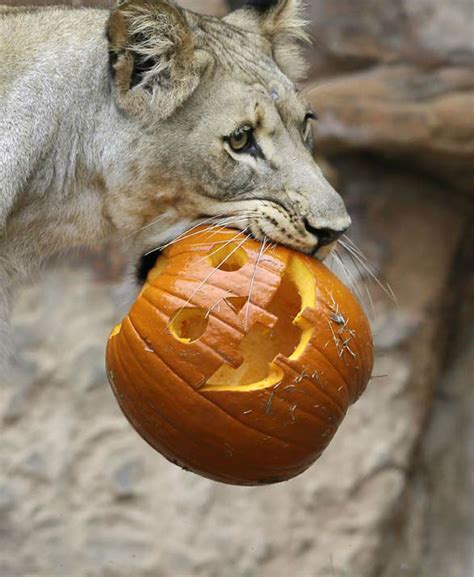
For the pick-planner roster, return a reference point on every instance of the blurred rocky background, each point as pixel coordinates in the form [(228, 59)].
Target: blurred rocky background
[(81, 495)]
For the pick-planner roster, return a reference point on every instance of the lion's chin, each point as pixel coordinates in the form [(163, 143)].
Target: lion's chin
[(323, 252)]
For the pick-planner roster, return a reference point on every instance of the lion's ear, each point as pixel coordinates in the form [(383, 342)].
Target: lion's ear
[(282, 23), (152, 56)]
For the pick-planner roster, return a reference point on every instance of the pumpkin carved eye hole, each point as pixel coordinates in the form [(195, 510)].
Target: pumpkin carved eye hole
[(189, 324), (228, 257)]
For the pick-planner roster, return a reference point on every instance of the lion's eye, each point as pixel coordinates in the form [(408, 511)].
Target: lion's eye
[(242, 139)]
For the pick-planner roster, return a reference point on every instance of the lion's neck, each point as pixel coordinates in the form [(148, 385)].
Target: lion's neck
[(71, 144)]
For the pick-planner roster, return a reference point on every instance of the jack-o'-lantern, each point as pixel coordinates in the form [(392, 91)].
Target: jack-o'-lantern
[(239, 361)]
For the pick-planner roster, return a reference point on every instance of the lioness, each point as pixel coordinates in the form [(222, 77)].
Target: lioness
[(137, 123)]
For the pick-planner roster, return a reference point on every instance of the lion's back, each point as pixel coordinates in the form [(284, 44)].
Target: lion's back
[(30, 36)]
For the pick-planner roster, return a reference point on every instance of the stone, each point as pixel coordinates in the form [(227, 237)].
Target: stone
[(22, 388), (7, 500), (425, 32), (420, 117), (436, 528), (125, 477), (393, 328)]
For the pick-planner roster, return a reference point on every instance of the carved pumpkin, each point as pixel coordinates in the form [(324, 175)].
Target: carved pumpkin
[(237, 362)]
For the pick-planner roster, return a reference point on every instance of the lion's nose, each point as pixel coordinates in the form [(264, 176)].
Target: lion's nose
[(328, 236), (325, 236)]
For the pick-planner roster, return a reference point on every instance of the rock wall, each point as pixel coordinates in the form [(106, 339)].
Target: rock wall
[(82, 495)]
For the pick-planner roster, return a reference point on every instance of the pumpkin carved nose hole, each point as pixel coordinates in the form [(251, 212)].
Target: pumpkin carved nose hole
[(230, 257), (236, 303), (188, 324)]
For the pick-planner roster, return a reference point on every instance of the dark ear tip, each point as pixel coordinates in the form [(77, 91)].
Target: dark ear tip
[(258, 5)]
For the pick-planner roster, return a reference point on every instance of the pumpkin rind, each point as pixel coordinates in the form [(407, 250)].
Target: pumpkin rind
[(260, 432)]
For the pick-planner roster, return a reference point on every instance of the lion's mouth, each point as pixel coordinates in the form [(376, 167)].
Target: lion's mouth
[(148, 260), (321, 253), (145, 264)]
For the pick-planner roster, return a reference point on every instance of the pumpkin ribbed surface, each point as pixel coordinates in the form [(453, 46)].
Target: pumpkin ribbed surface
[(239, 362)]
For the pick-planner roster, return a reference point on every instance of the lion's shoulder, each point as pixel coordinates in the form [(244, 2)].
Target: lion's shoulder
[(32, 34)]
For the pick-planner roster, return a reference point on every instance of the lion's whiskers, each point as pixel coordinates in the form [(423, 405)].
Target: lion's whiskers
[(211, 274), (357, 256), (227, 221), (252, 281), (351, 280), (223, 245), (149, 225)]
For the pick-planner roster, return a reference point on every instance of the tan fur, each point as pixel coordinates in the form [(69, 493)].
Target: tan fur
[(285, 27), (135, 148)]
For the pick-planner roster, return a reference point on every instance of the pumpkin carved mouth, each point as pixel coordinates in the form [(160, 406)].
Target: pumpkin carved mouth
[(260, 347)]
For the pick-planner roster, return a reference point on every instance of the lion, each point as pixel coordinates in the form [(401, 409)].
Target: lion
[(137, 123)]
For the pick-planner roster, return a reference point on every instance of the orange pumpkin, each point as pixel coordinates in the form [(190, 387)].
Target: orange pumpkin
[(237, 362)]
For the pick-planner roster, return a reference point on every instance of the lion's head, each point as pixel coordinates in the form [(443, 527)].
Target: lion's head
[(225, 135)]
